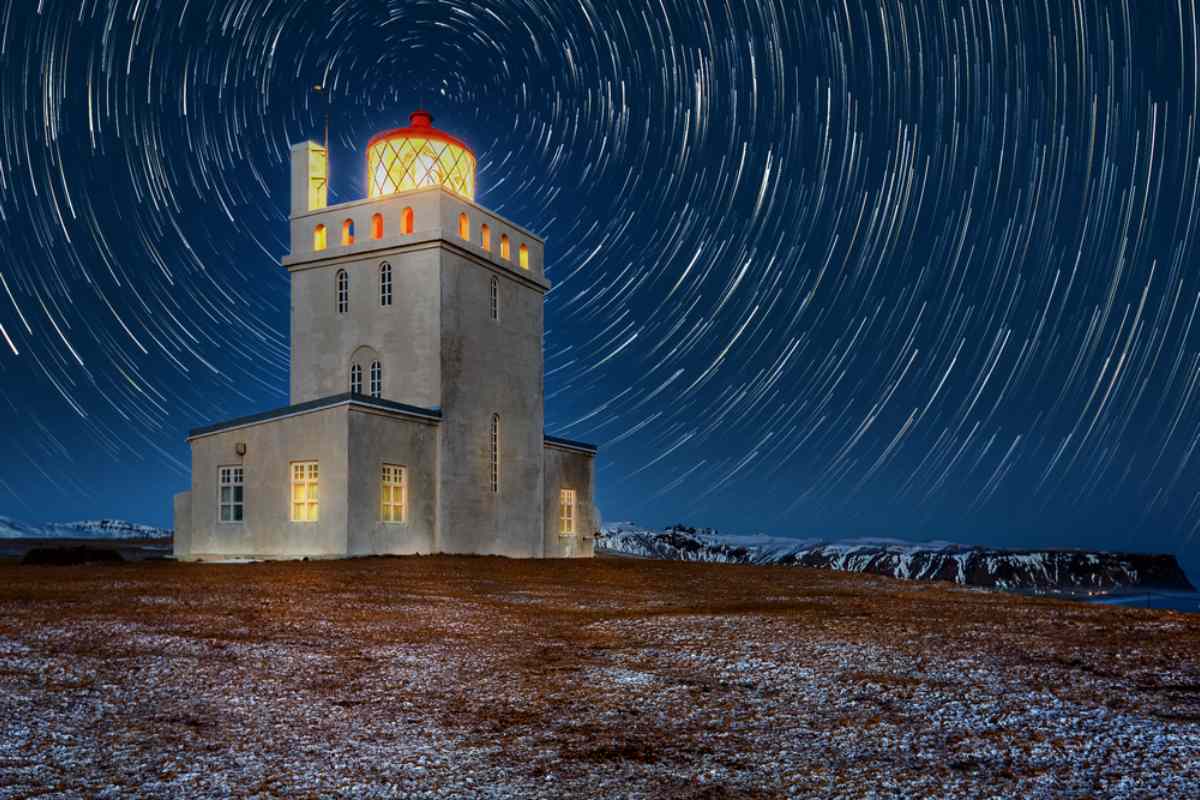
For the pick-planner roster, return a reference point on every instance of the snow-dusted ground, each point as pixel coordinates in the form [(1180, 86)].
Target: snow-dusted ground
[(481, 677), (86, 529)]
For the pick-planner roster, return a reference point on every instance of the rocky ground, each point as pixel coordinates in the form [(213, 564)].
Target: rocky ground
[(482, 677)]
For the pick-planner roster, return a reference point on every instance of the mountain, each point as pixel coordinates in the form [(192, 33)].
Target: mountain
[(88, 529), (969, 565)]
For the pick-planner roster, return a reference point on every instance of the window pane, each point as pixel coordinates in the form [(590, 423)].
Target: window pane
[(226, 494), (237, 513), (239, 493), (298, 491)]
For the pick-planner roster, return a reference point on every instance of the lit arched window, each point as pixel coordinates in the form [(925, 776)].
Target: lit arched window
[(485, 237), (523, 254), (319, 237), (385, 284), (377, 226), (406, 221), (494, 293), (376, 379), (343, 291), (495, 453), (348, 232), (505, 252), (355, 379), (464, 227)]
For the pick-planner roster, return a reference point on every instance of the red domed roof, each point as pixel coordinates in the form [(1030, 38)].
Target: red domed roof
[(420, 124), (419, 156)]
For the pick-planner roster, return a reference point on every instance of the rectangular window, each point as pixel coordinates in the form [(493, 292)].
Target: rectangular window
[(495, 454), (392, 493), (376, 379), (232, 494), (495, 300), (566, 511), (305, 507)]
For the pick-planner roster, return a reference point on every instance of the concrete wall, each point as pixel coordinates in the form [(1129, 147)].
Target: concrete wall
[(570, 469), (183, 525), (490, 367), (406, 334), (377, 439), (271, 446)]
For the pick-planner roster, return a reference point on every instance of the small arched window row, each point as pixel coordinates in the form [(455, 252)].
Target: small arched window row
[(321, 233), (485, 241)]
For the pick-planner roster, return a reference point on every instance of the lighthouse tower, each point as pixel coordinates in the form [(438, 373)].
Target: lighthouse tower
[(416, 415)]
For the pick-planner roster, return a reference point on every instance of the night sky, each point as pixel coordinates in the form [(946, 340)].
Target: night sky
[(917, 269)]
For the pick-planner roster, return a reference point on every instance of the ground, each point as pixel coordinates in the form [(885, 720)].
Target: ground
[(484, 677)]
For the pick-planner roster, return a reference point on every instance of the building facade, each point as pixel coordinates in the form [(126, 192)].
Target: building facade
[(417, 400)]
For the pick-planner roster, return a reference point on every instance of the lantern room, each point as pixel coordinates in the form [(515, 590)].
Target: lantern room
[(418, 157)]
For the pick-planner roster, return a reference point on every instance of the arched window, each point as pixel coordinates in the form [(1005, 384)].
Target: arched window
[(348, 232), (319, 237), (355, 379), (385, 284), (494, 293), (376, 379), (523, 254), (485, 237), (377, 226), (406, 221), (464, 227), (495, 453), (505, 252), (343, 291)]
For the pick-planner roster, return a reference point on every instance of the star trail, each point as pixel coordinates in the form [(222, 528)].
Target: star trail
[(924, 269)]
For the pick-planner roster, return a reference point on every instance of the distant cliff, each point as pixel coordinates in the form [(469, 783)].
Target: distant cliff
[(992, 568), (89, 529)]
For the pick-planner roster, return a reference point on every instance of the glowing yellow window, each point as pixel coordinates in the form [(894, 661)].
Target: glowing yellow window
[(319, 237), (464, 227), (377, 226), (505, 251), (523, 254), (406, 221), (392, 493), (348, 232), (566, 511), (305, 506), (485, 237)]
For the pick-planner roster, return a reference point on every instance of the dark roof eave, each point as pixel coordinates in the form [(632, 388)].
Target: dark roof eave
[(573, 445), (320, 403)]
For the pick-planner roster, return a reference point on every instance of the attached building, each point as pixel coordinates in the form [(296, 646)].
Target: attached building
[(417, 399)]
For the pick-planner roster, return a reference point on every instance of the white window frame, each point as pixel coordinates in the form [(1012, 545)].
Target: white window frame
[(385, 284), (356, 379), (342, 281), (305, 476), (376, 379), (393, 494), (494, 299), (495, 453), (567, 507), (231, 477)]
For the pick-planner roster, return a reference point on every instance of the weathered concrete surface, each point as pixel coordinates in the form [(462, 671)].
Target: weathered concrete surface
[(375, 440), (569, 468), (183, 524), (271, 447)]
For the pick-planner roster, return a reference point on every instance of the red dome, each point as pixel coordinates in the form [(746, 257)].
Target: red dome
[(417, 157)]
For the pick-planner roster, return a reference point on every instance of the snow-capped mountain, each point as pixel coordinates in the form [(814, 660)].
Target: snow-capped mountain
[(87, 529), (970, 565)]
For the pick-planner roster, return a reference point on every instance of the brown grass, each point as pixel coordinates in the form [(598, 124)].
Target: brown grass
[(516, 661)]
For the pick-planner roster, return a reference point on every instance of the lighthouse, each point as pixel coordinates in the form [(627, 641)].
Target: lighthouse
[(416, 415)]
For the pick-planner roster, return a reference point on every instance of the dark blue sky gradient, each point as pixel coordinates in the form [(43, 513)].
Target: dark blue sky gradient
[(926, 270)]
